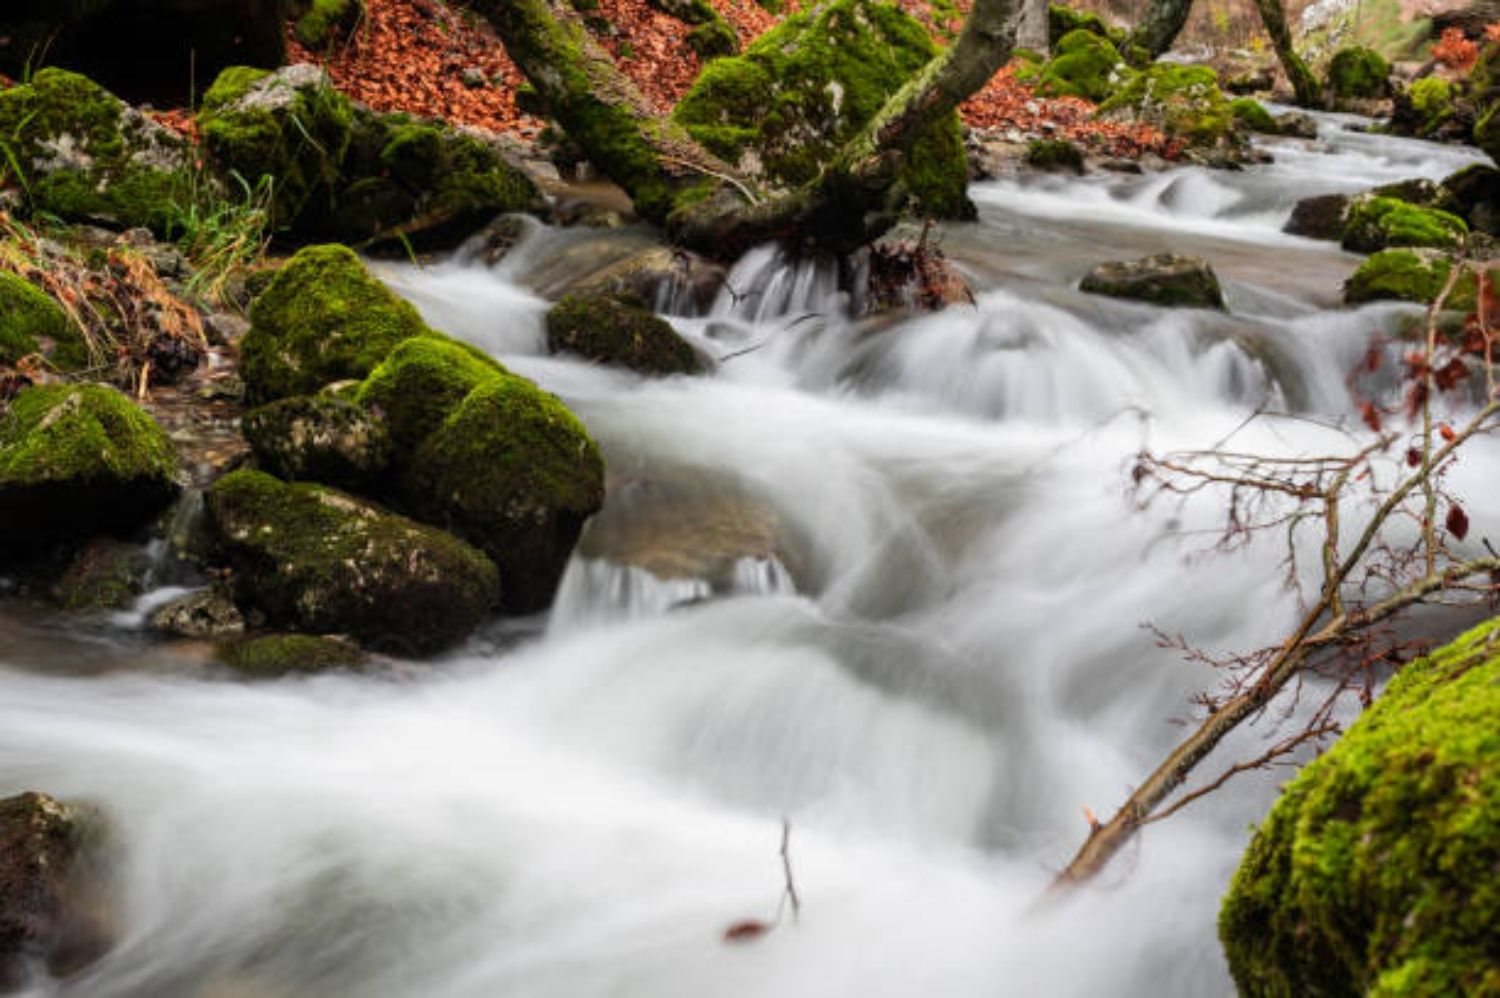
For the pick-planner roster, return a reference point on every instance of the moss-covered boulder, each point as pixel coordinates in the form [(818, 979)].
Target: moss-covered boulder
[(1063, 21), (1252, 115), (1377, 223), (1358, 73), (1375, 873), (713, 40), (419, 385), (1083, 64), (44, 856), (320, 24), (84, 155), (1164, 279), (1319, 217), (273, 655), (319, 438), (1473, 194), (323, 318), (515, 473), (1054, 155), (1423, 108), (618, 329), (32, 323), (1183, 101), (317, 560), (1415, 275), (785, 106), (291, 126), (76, 460)]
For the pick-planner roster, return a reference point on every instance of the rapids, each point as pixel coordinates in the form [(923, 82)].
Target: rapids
[(904, 611)]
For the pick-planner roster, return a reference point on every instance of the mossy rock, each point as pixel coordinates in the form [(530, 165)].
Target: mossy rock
[(714, 40), (789, 103), (1474, 195), (515, 473), (324, 318), (78, 460), (1487, 132), (1358, 73), (273, 655), (1377, 223), (291, 126), (1054, 155), (1375, 872), (1252, 115), (84, 155), (1063, 21), (618, 329), (31, 322), (105, 575), (1414, 275), (1083, 64), (1322, 216), (1183, 101), (1164, 279), (317, 560), (419, 385), (1423, 108), (317, 438), (326, 23)]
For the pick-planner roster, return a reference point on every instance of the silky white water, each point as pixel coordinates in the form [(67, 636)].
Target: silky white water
[(922, 645)]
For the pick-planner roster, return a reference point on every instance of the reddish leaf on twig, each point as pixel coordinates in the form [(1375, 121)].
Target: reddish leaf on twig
[(746, 931), (1457, 522)]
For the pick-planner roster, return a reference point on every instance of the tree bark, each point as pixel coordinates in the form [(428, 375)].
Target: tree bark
[(657, 162), (1031, 33), (1304, 84), (1160, 25)]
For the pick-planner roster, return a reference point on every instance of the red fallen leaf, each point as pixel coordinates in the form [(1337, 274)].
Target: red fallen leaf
[(1413, 457), (1457, 522), (1370, 415), (1446, 432), (746, 931)]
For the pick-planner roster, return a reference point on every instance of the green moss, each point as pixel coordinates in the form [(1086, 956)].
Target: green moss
[(514, 472), (1375, 872), (314, 559), (1358, 73), (105, 575), (1063, 21), (79, 459), (806, 87), (323, 318), (1184, 101), (420, 383), (1432, 98), (280, 654), (328, 22), (1378, 223), (84, 155), (614, 328), (713, 40), (32, 322), (1054, 154), (320, 438), (1409, 275), (1085, 65), (1252, 114), (291, 126)]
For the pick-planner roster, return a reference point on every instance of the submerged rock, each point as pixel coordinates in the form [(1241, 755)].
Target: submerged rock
[(618, 329), (1164, 279), (42, 923), (1375, 872), (77, 460), (84, 155), (319, 438), (279, 654), (317, 560)]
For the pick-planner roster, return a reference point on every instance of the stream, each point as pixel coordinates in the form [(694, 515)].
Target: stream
[(884, 580)]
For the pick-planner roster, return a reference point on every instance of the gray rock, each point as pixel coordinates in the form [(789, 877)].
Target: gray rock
[(1164, 279), (207, 613)]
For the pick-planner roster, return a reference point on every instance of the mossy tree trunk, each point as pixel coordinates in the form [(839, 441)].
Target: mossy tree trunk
[(675, 182), (1160, 25), (1304, 85)]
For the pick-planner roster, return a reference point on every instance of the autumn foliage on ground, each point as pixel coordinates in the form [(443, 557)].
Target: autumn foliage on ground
[(430, 59)]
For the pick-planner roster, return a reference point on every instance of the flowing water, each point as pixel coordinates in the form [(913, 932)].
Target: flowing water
[(884, 580)]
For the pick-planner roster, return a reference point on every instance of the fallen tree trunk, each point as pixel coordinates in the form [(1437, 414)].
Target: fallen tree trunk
[(702, 202)]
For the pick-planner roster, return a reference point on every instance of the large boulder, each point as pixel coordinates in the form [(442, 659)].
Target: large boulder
[(1357, 73), (1474, 195), (320, 438), (784, 107), (323, 318), (619, 330), (1377, 223), (1084, 64), (419, 385), (515, 473), (77, 460), (84, 155), (1376, 871), (32, 323), (158, 51), (1164, 279), (43, 924), (1319, 217), (317, 560), (1185, 102), (1414, 275)]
